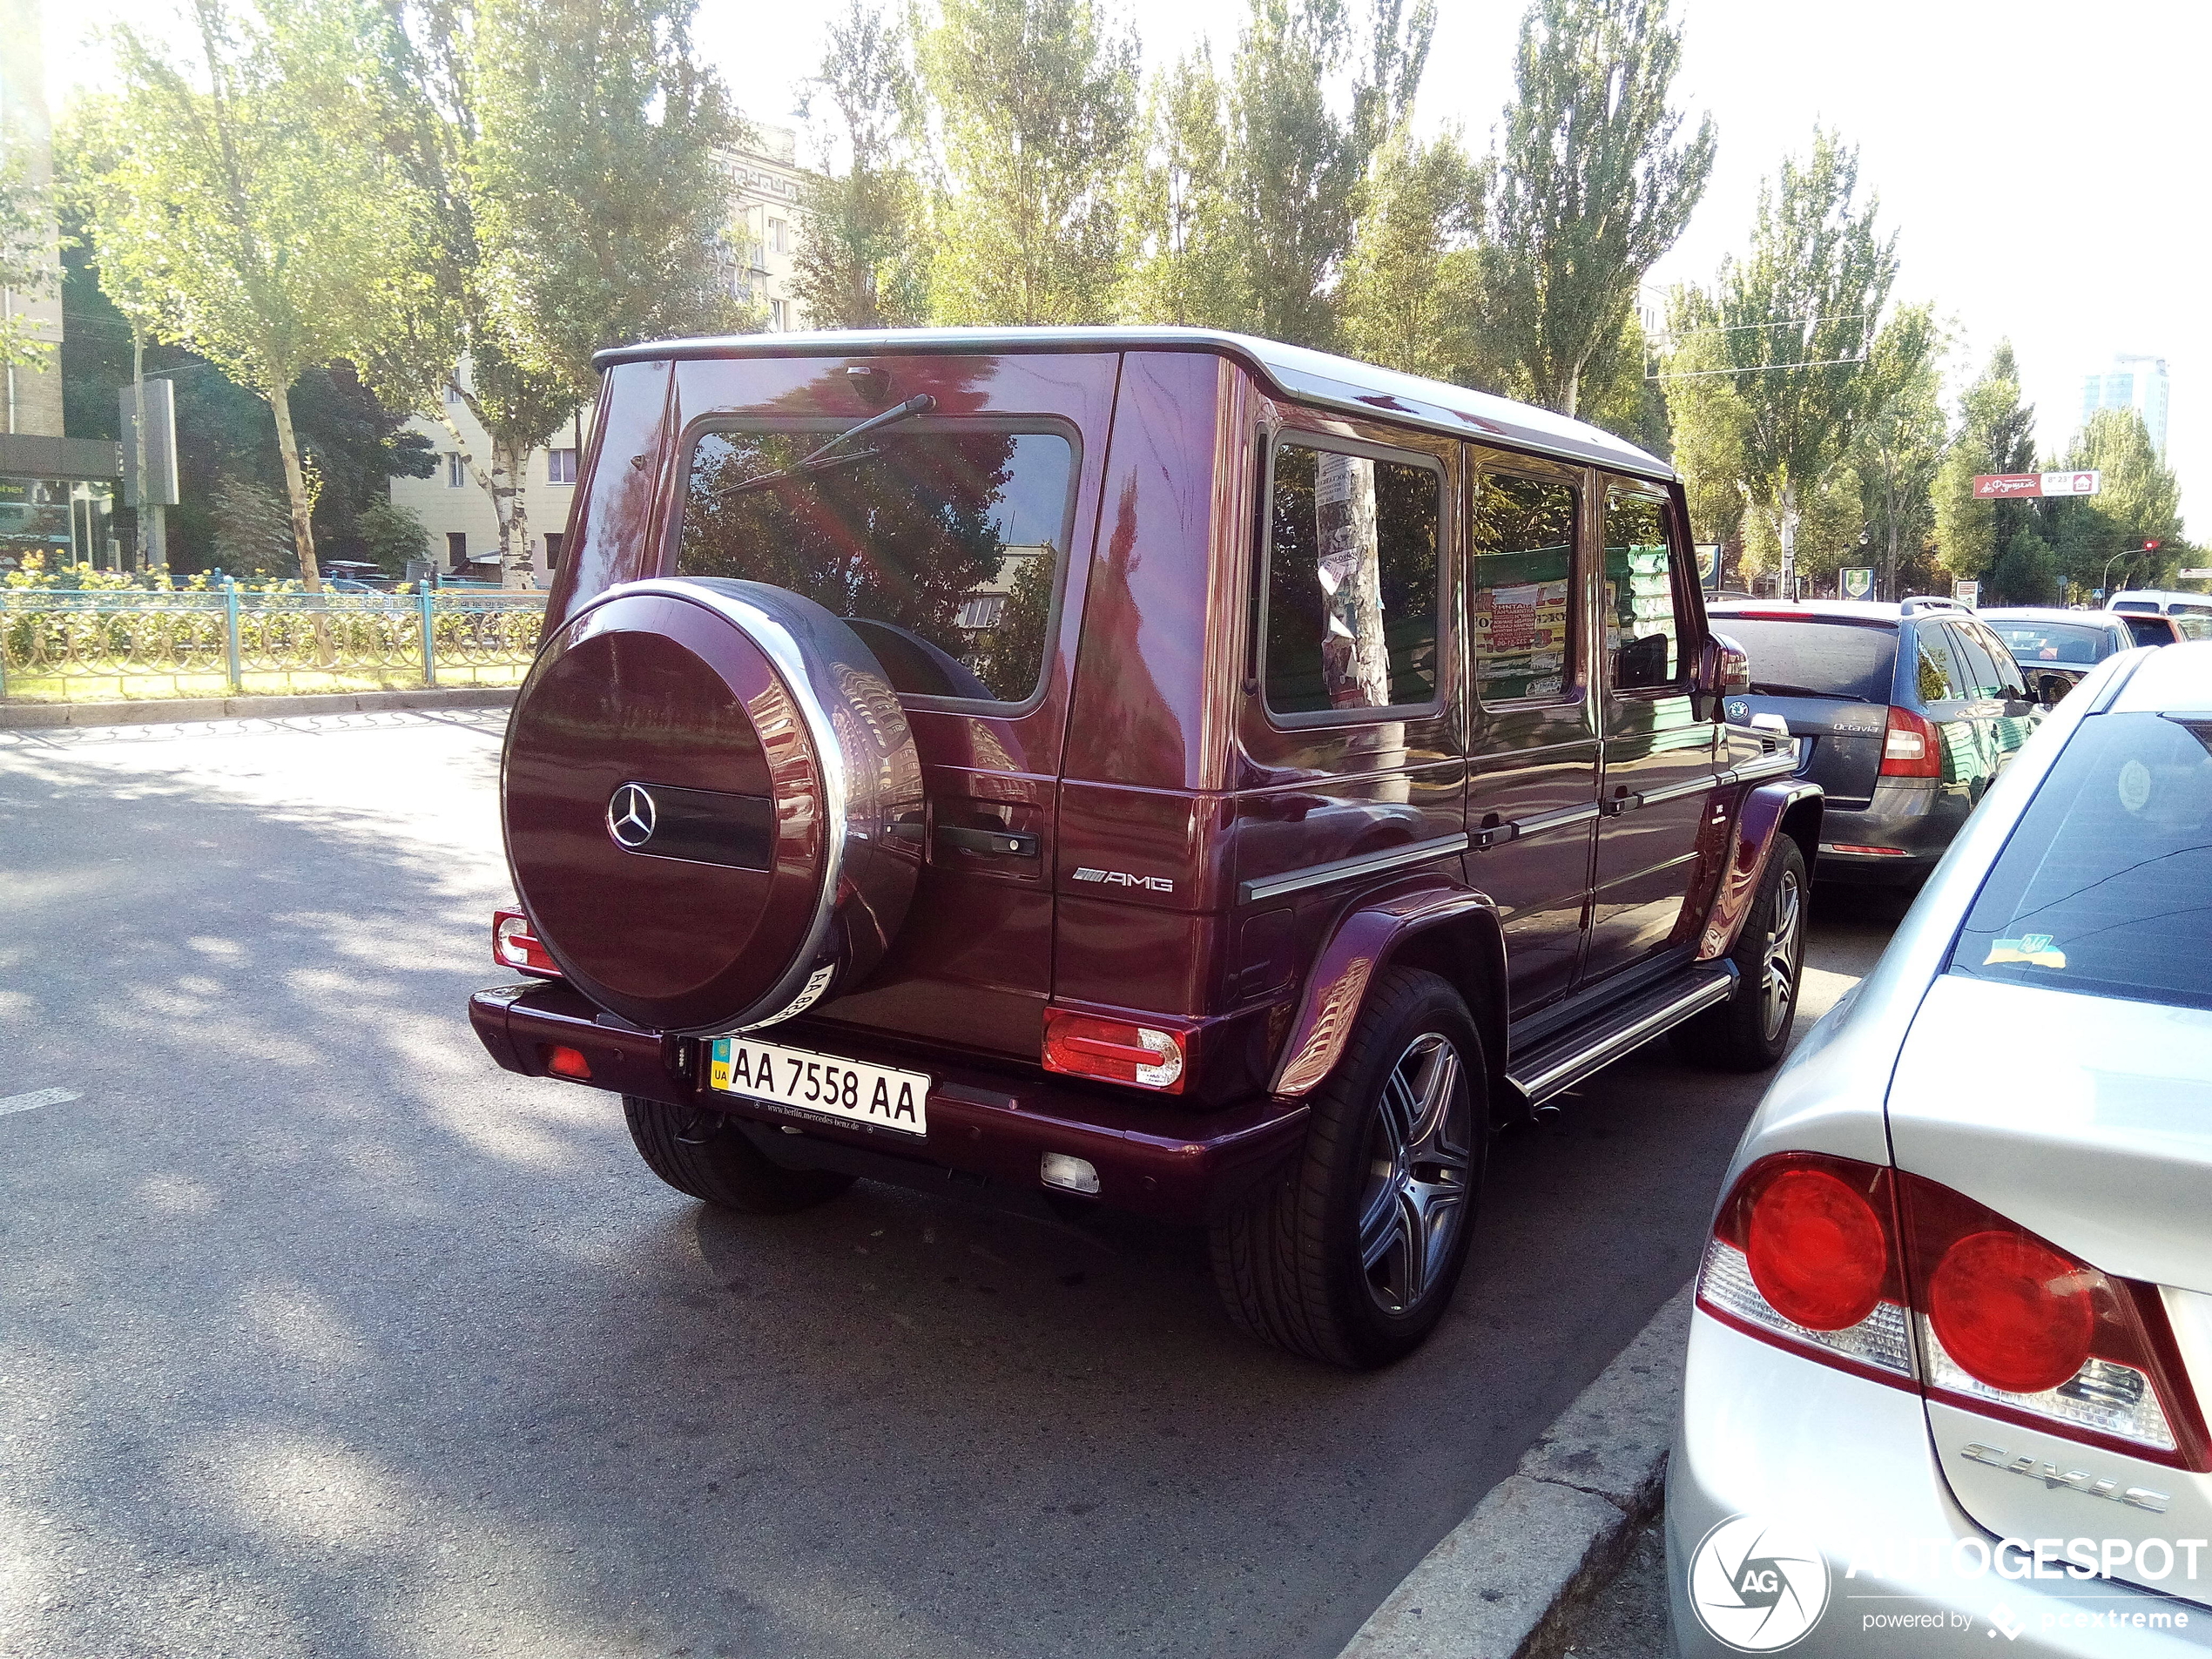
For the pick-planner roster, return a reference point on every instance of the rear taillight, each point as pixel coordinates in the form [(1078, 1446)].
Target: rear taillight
[(517, 947), (1849, 1263), (1911, 747), (1114, 1051)]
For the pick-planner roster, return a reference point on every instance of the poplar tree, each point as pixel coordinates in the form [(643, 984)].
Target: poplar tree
[(1903, 441), (1037, 101), (27, 262), (1996, 433), (1592, 188), (1177, 208), (859, 263), (1409, 295)]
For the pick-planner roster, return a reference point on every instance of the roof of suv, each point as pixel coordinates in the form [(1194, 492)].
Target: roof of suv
[(1338, 383), (2172, 680)]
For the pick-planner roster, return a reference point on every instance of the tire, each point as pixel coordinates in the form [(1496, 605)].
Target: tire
[(705, 1156), (1751, 1031), (1292, 1267)]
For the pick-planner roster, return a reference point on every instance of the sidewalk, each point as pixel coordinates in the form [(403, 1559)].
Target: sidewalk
[(25, 716)]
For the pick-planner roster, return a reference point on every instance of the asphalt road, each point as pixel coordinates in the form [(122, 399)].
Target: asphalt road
[(321, 1336)]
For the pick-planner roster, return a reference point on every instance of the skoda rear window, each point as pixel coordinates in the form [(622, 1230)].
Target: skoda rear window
[(1816, 657), (941, 545), (2105, 885)]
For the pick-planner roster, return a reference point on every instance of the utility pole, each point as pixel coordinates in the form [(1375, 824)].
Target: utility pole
[(138, 438)]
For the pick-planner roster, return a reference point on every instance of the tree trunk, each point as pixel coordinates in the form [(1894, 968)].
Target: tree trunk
[(303, 529), (514, 569), (1788, 581)]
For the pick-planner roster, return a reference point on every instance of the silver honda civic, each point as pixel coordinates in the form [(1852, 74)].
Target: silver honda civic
[(1950, 1363)]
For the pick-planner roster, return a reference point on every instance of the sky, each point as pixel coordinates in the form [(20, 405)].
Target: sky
[(2045, 163)]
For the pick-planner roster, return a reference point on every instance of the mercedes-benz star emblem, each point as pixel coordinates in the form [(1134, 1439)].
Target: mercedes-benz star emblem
[(630, 816)]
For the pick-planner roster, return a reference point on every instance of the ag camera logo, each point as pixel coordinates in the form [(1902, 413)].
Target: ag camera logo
[(1756, 1587)]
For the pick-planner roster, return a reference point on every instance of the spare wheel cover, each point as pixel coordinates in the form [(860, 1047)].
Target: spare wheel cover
[(699, 790)]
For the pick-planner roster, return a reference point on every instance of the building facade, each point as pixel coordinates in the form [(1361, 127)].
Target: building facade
[(457, 510), (2132, 382)]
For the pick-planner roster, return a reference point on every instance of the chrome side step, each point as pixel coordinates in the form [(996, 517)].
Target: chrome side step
[(1563, 1061)]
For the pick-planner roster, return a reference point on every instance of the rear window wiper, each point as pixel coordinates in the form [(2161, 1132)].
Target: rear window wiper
[(819, 460), (1782, 688)]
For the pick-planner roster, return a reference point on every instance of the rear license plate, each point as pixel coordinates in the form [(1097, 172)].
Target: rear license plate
[(820, 1083)]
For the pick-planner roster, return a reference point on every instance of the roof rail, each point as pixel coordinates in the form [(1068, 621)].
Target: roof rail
[(1920, 601)]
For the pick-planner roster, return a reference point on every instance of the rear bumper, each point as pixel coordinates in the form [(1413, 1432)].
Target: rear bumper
[(989, 1125), (1913, 819), (1844, 1466)]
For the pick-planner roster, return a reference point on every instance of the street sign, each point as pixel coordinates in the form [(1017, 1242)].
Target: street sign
[(1967, 593), (1709, 565), (1858, 583), (2031, 486), (2197, 573)]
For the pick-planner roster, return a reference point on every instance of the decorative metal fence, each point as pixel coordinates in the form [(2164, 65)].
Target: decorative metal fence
[(58, 644)]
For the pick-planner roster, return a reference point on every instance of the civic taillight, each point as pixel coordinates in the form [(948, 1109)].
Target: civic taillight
[(517, 947), (1115, 1051), (1911, 747), (1905, 1281)]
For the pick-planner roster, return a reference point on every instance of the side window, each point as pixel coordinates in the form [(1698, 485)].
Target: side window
[(1641, 639), (2009, 683), (1937, 675), (1351, 581), (1981, 676), (1522, 587)]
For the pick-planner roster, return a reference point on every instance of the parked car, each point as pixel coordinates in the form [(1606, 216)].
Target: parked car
[(2191, 612), (1953, 1328), (1903, 713), (1341, 786), (357, 576), (2154, 627), (2055, 648)]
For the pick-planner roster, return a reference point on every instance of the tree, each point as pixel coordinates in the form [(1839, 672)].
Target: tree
[(1996, 433), (1408, 295), (568, 193), (859, 263), (1176, 209), (253, 537), (1592, 188), (245, 210), (1904, 437), (1037, 100), (1789, 327), (27, 264), (2139, 505), (1296, 165)]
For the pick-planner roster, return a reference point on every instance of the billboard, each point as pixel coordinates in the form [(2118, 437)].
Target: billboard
[(2034, 486)]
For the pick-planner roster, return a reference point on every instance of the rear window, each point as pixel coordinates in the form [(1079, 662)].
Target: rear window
[(2150, 630), (2053, 641), (1816, 657), (942, 547), (2105, 885)]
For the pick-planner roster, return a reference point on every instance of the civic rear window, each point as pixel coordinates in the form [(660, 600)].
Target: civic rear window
[(2105, 885), (1816, 657), (942, 547), (2053, 641), (1351, 581)]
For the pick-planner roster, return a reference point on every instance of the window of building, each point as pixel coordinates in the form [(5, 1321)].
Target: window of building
[(457, 548), (780, 316), (456, 471), (1351, 581), (560, 466), (1521, 578), (555, 541), (780, 235), (1640, 584)]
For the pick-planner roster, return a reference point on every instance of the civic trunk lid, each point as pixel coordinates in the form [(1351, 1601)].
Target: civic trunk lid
[(2086, 1120)]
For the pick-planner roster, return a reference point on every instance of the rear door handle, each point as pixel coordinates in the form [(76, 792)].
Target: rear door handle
[(1006, 844)]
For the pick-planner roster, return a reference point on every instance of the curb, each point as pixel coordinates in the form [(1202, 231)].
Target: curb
[(1543, 1540), (151, 710)]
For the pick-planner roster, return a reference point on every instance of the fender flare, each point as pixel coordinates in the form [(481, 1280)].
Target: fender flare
[(1769, 811), (1368, 937)]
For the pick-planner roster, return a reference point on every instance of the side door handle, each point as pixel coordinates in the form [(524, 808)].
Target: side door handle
[(1005, 844)]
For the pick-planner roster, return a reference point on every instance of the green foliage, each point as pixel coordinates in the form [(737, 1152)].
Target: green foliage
[(860, 258), (1295, 163), (1902, 441), (391, 535), (253, 535), (1996, 433), (1592, 189), (2139, 503), (26, 254), (1831, 532), (1777, 348), (1037, 102), (1408, 297), (1017, 644), (1177, 208)]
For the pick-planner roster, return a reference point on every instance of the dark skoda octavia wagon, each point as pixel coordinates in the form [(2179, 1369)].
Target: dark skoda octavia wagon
[(1143, 768)]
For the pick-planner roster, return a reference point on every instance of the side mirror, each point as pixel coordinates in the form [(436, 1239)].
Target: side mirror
[(1724, 667)]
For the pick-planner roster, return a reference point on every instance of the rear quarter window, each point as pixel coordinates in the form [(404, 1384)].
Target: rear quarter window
[(2105, 887)]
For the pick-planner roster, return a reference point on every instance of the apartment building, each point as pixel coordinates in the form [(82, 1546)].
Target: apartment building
[(454, 507)]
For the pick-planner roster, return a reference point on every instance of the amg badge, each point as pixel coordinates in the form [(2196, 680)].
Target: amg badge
[(1123, 878)]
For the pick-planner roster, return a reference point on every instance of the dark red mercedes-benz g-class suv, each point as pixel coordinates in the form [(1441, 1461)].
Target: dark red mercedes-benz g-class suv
[(1139, 767)]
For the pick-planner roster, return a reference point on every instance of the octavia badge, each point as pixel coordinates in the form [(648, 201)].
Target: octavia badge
[(631, 815)]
